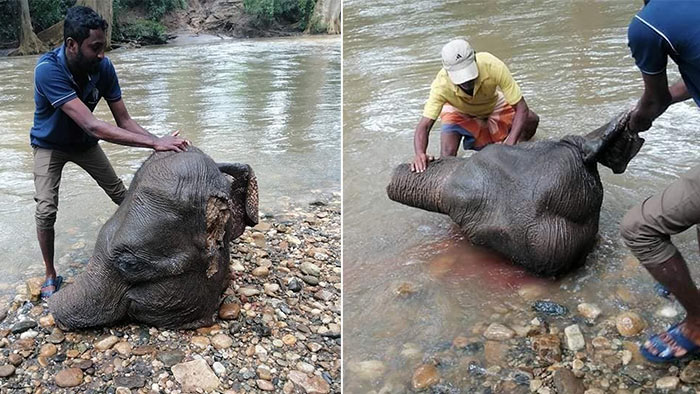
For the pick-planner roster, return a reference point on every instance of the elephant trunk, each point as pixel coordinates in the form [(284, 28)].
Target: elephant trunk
[(96, 298), (422, 190)]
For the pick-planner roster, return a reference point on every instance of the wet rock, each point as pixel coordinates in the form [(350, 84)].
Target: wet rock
[(271, 289), (28, 334), (229, 311), (261, 272), (22, 326), (667, 383), (691, 373), (589, 311), (131, 382), (106, 343), (6, 370), (248, 291), (170, 358), (315, 384), (425, 376), (262, 227), (47, 321), (310, 280), (531, 292), (498, 332), (323, 295), (370, 370), (668, 312), (123, 348), (56, 336), (495, 352), (629, 324), (289, 340), (264, 372), (221, 341), (143, 350), (310, 269), (550, 308), (70, 377), (547, 347), (405, 289), (264, 385), (200, 342), (574, 338), (15, 359), (34, 288), (84, 364), (295, 285), (48, 350), (195, 375), (219, 369), (566, 383)]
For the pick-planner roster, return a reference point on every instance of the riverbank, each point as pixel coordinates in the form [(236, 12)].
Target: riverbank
[(278, 328), (534, 345)]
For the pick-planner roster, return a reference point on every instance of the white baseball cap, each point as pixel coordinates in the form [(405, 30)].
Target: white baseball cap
[(459, 61)]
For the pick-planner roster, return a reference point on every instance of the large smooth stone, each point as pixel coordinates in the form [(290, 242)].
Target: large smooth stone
[(629, 324), (195, 375)]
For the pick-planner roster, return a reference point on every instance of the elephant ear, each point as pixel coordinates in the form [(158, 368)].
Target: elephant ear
[(245, 187), (612, 145)]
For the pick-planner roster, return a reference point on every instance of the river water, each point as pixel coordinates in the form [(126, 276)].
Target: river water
[(411, 282), (274, 104)]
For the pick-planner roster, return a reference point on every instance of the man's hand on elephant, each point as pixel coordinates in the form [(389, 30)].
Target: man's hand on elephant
[(420, 162), (170, 142)]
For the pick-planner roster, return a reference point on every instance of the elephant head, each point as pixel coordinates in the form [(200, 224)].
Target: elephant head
[(163, 257), (538, 203)]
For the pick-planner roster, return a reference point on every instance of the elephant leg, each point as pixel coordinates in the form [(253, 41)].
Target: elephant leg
[(95, 299)]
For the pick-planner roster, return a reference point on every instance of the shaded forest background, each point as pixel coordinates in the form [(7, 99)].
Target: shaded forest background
[(34, 26)]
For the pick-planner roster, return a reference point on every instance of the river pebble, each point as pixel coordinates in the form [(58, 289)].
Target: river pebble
[(574, 338), (629, 324), (498, 332), (424, 376)]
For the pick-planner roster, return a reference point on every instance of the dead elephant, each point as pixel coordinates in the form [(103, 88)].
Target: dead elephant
[(163, 258)]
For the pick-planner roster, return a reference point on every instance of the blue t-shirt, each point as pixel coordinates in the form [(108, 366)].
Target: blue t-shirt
[(668, 28), (54, 86)]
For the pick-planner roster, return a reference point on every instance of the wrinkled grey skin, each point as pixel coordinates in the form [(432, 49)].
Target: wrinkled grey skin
[(538, 203), (163, 258)]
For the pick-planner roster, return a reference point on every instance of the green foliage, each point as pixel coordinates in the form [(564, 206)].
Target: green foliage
[(45, 13), (142, 31), (155, 8), (266, 12), (9, 21)]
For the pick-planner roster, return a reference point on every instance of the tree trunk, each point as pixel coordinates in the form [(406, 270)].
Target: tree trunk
[(325, 18), (104, 8), (29, 43)]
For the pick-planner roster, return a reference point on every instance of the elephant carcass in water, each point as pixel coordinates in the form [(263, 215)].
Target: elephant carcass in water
[(537, 203), (163, 258)]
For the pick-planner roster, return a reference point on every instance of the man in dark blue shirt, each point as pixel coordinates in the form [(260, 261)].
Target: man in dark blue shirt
[(664, 29), (68, 83)]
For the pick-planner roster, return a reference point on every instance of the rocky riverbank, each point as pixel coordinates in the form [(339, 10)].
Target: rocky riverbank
[(534, 345), (278, 328)]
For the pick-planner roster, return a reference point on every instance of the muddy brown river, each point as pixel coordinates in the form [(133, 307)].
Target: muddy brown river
[(411, 282), (273, 103)]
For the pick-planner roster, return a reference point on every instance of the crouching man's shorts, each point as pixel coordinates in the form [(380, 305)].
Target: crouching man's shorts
[(647, 228), (48, 165)]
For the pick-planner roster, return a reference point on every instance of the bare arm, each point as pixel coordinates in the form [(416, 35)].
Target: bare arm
[(655, 99), (82, 116), (521, 111), (124, 120), (420, 144)]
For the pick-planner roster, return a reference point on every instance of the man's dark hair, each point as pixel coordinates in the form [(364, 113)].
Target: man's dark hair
[(79, 21)]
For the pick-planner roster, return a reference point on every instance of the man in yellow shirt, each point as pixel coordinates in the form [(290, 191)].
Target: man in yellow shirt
[(477, 100)]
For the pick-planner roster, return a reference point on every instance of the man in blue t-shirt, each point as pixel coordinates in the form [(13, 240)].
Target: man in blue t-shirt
[(68, 83), (664, 29)]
